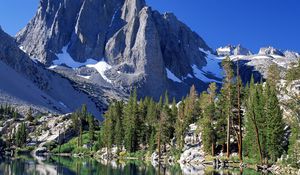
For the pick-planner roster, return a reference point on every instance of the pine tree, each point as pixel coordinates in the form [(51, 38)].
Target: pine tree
[(191, 108), (294, 72), (252, 124), (107, 129), (180, 125), (151, 124), (273, 75), (119, 130), (29, 115), (275, 125), (130, 125), (21, 135), (221, 122), (294, 145), (91, 128), (227, 66)]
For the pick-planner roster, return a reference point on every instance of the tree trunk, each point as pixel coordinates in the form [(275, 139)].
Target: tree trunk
[(158, 143), (240, 136), (228, 136), (213, 149), (258, 141)]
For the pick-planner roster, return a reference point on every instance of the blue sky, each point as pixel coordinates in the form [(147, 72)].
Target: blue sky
[(252, 23)]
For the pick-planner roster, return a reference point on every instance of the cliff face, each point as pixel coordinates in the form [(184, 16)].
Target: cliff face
[(139, 44), (25, 83)]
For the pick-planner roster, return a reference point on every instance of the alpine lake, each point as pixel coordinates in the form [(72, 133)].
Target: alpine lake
[(58, 165)]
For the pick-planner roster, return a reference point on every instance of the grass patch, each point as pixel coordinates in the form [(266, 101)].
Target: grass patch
[(71, 146)]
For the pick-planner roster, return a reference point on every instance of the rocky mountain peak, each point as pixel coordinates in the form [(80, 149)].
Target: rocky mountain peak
[(138, 46), (131, 8), (291, 54), (233, 50), (270, 51)]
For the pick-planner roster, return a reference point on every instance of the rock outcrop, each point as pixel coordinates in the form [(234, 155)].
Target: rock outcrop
[(233, 50), (138, 43), (26, 83)]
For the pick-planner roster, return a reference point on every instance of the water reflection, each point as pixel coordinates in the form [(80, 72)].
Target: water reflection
[(26, 165)]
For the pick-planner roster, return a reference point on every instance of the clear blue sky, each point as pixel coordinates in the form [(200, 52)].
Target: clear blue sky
[(253, 23)]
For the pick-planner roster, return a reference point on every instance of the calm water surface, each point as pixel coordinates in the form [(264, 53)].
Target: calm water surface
[(26, 165)]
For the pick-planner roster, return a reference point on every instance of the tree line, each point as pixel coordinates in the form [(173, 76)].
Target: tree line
[(236, 117)]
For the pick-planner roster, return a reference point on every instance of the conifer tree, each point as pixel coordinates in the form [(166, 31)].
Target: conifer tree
[(191, 108), (275, 125), (251, 125), (91, 128), (130, 126), (119, 128), (29, 115), (180, 125), (221, 122), (21, 135), (273, 74), (207, 102), (227, 66)]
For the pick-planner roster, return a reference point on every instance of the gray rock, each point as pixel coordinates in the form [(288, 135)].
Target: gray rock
[(137, 42), (233, 50), (270, 51), (26, 83)]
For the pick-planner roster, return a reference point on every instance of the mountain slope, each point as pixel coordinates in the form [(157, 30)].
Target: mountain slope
[(25, 83), (137, 46)]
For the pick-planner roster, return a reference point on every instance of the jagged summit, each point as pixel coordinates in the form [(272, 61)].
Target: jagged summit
[(233, 50), (270, 51), (137, 45)]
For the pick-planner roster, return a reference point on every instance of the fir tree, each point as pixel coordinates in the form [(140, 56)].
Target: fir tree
[(21, 135), (130, 125), (227, 65), (119, 130), (29, 115), (91, 129), (251, 125), (275, 125), (180, 125)]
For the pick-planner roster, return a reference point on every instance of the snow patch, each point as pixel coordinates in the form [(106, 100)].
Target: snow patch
[(52, 67), (172, 77), (65, 58), (224, 49), (213, 65), (199, 74), (188, 76), (61, 103), (101, 67), (32, 58), (85, 77)]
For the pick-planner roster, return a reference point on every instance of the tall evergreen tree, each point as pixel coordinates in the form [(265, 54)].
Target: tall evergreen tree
[(275, 124), (227, 86), (91, 128), (180, 125), (252, 125), (130, 125), (207, 103)]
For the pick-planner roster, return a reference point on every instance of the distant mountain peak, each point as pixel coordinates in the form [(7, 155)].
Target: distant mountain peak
[(270, 51), (233, 50)]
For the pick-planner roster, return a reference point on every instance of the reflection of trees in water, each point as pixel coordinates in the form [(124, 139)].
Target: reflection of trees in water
[(75, 166)]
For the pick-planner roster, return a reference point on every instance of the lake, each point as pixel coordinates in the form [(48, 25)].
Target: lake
[(26, 165)]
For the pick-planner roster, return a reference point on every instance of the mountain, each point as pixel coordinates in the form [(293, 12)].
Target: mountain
[(125, 41), (233, 50), (258, 64), (25, 83)]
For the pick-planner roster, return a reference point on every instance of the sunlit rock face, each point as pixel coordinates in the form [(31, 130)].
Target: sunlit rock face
[(138, 43)]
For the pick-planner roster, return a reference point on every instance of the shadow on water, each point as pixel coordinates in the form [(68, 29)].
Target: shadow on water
[(54, 165)]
